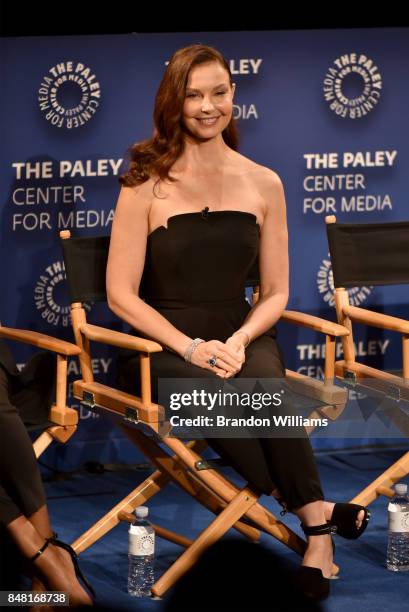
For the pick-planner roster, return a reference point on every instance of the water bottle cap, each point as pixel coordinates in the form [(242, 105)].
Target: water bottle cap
[(141, 512), (401, 488)]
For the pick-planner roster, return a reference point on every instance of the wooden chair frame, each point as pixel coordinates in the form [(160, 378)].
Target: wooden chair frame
[(183, 464), (64, 419), (350, 369)]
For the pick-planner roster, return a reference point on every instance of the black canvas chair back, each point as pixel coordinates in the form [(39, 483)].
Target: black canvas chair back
[(372, 254), (85, 261), (369, 253)]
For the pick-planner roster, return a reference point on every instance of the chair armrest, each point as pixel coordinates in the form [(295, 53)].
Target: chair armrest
[(114, 338), (315, 323), (376, 319), (41, 340)]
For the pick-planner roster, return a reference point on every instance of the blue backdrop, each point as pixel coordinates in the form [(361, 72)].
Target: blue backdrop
[(327, 110)]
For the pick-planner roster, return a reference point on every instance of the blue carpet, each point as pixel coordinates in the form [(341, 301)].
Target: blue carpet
[(364, 584)]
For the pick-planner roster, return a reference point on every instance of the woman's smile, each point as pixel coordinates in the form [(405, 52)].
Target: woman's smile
[(208, 120)]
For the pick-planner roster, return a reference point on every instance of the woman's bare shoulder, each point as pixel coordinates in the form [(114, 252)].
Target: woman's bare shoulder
[(267, 183), (139, 196), (258, 172), (142, 190)]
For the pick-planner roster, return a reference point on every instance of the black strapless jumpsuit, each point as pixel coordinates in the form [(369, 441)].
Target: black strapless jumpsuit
[(194, 275)]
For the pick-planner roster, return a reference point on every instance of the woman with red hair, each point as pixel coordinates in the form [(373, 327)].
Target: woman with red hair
[(192, 216)]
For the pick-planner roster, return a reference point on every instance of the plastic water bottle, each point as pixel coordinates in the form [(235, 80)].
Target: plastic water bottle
[(397, 558), (141, 554)]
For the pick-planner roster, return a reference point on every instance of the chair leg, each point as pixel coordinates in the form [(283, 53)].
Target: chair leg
[(188, 481), (146, 490), (217, 528), (41, 443), (137, 497), (60, 433), (216, 505), (395, 473)]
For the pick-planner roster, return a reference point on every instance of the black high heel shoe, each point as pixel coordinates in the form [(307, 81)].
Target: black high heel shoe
[(343, 519), (74, 557), (310, 581)]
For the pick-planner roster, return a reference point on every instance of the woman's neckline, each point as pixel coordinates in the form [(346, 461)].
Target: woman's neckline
[(208, 213)]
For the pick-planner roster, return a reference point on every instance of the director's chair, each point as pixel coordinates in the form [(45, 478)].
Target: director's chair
[(60, 422), (143, 422), (361, 255)]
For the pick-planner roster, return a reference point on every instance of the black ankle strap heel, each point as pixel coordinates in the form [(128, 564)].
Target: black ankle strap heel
[(343, 520), (40, 550), (315, 529), (310, 580), (318, 530)]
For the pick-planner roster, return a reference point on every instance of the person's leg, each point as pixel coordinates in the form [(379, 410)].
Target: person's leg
[(53, 569), (291, 460), (245, 455), (300, 486), (319, 551), (20, 480), (289, 455), (41, 521), (23, 511), (15, 453), (32, 396)]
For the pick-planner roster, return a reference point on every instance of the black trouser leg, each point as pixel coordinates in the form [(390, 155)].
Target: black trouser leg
[(21, 489), (287, 463)]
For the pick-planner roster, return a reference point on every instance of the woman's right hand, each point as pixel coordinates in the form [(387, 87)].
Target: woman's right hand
[(228, 362)]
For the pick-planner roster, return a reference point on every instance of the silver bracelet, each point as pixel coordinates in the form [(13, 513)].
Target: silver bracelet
[(188, 352)]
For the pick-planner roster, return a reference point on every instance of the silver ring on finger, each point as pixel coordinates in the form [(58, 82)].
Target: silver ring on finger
[(212, 361)]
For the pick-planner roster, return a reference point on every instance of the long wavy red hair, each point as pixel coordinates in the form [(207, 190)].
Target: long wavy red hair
[(156, 155)]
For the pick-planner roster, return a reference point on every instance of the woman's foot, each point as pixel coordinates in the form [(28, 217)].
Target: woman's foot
[(38, 587), (56, 571), (319, 554), (49, 563), (313, 577)]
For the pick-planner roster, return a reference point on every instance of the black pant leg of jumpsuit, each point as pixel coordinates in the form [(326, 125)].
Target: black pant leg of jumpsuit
[(266, 463)]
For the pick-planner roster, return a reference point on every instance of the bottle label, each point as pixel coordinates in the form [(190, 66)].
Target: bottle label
[(398, 521), (141, 542)]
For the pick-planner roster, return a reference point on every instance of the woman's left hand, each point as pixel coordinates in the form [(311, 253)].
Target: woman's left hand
[(236, 342)]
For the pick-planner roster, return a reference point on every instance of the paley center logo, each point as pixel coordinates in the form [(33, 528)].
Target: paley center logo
[(352, 86), (69, 95), (325, 284), (50, 295)]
